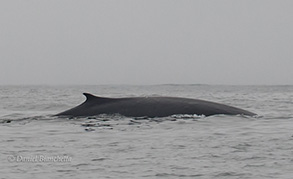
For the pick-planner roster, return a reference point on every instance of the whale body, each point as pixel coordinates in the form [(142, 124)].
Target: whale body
[(150, 107)]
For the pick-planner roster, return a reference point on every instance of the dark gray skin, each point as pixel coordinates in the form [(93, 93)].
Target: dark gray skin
[(150, 107)]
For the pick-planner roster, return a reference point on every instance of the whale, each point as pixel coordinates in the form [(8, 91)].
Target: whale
[(150, 107)]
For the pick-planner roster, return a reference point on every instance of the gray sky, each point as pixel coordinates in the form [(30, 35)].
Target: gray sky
[(146, 41)]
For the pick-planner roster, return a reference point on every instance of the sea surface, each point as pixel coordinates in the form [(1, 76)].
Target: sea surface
[(35, 144)]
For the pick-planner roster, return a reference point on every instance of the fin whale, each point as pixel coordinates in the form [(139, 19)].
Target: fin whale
[(150, 107)]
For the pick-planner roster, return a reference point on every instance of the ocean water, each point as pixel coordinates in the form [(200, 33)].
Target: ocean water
[(34, 144)]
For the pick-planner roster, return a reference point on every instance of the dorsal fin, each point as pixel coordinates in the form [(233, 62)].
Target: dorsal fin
[(90, 97)]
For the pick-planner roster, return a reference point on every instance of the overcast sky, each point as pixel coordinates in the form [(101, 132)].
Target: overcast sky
[(146, 42)]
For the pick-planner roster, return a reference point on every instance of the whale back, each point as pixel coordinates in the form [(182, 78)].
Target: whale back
[(150, 106)]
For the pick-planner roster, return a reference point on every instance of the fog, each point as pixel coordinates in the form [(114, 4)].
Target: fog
[(243, 42)]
